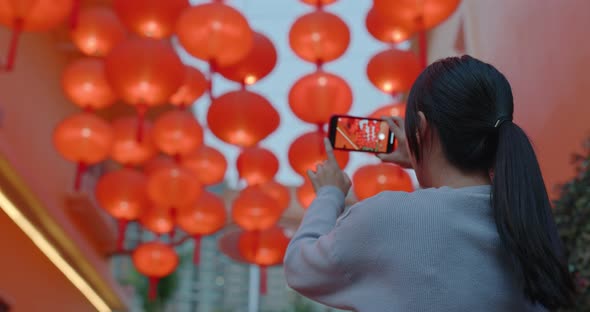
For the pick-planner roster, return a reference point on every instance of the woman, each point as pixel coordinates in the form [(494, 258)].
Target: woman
[(464, 242)]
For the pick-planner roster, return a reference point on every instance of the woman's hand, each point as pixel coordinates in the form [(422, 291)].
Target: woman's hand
[(329, 173), (400, 156)]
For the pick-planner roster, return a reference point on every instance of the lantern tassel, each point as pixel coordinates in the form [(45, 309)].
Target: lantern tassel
[(263, 280), (422, 43), (153, 288), (121, 236), (172, 233), (80, 170), (197, 251), (74, 17), (17, 29), (212, 70), (141, 111)]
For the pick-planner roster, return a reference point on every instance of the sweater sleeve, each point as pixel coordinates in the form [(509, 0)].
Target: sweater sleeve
[(314, 261)]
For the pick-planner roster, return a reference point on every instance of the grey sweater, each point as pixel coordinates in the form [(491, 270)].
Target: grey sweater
[(430, 250)]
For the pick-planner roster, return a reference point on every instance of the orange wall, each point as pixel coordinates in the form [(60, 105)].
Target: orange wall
[(542, 47), (31, 105), (28, 280)]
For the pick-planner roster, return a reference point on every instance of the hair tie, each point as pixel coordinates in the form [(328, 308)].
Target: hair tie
[(501, 120)]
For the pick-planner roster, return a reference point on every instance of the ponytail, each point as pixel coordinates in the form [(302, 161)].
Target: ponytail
[(525, 222)]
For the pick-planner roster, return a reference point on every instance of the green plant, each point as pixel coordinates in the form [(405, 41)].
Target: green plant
[(166, 289), (572, 214)]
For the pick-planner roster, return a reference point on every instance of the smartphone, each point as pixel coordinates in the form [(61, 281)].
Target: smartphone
[(360, 134)]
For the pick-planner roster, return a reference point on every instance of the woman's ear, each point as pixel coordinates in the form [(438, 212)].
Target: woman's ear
[(422, 125)]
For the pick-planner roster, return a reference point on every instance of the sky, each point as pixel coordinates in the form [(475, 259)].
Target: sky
[(274, 18)]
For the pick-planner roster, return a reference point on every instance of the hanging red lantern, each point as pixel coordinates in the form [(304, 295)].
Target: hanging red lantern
[(173, 186), (307, 151), (318, 2), (319, 37), (316, 97), (207, 164), (126, 149), (254, 210), (278, 192), (424, 14), (257, 64), (30, 15), (397, 110), (144, 72), (370, 180), (194, 86), (305, 194), (257, 165), (83, 138), (84, 83), (122, 194), (393, 71), (177, 133), (205, 217), (158, 220), (264, 248), (150, 18), (155, 260), (215, 32), (386, 29), (242, 118), (154, 164), (98, 31)]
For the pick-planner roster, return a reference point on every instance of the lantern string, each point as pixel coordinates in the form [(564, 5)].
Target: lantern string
[(121, 235), (212, 70), (153, 288), (197, 251), (80, 170), (74, 17), (263, 280), (17, 29), (141, 111)]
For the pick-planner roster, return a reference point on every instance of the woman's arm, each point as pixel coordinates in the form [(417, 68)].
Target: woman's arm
[(323, 246)]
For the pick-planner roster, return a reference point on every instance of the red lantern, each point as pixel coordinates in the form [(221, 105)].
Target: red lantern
[(216, 33), (393, 71), (205, 217), (319, 37), (173, 186), (278, 192), (207, 164), (424, 14), (264, 248), (316, 97), (122, 194), (370, 180), (83, 138), (257, 165), (177, 133), (157, 220), (305, 194), (84, 83), (308, 151), (195, 84), (30, 15), (150, 18), (98, 31), (318, 2), (126, 149), (257, 64), (242, 118), (385, 29), (397, 109), (144, 72), (254, 210), (155, 260), (157, 163)]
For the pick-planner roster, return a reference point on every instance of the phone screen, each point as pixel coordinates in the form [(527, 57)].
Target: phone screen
[(361, 134)]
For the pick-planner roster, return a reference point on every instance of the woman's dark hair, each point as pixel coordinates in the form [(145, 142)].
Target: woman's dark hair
[(469, 104)]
